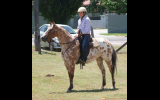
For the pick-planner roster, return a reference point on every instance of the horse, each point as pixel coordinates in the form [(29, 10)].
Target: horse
[(70, 52)]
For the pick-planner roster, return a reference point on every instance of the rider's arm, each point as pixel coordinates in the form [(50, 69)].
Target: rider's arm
[(87, 26)]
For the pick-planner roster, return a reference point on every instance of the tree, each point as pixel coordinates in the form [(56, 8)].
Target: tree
[(93, 7), (117, 6), (59, 11)]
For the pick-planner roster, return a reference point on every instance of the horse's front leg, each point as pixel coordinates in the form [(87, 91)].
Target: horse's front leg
[(70, 69)]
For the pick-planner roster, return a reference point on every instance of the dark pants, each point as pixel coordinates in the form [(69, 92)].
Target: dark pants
[(85, 46)]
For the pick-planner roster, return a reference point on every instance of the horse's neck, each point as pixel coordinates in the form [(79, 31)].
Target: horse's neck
[(63, 37)]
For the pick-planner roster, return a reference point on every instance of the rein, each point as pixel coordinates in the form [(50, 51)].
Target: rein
[(69, 45), (66, 43)]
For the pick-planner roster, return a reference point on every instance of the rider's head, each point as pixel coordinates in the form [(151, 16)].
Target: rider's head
[(82, 11)]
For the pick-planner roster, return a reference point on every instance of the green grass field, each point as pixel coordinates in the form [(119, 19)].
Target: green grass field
[(86, 82)]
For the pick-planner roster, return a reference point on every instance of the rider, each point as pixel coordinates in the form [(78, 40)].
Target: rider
[(84, 27)]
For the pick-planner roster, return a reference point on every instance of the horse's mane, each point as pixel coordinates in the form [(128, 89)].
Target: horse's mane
[(63, 30)]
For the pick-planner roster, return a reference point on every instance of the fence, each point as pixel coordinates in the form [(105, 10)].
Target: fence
[(113, 22), (117, 23), (95, 21)]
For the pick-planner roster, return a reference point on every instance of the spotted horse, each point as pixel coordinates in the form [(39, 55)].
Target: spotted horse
[(70, 52)]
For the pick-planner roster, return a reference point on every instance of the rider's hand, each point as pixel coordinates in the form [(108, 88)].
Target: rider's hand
[(76, 36)]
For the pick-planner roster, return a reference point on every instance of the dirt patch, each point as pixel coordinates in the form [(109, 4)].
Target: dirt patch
[(49, 75)]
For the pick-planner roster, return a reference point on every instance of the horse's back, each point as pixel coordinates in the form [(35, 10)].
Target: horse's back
[(102, 40), (104, 50)]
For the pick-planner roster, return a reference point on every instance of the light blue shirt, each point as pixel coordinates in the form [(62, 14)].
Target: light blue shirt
[(84, 25)]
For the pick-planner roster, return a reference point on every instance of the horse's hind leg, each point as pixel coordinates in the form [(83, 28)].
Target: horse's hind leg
[(103, 71), (109, 63)]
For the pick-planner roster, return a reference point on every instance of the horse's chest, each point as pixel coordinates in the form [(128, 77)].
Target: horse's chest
[(71, 55)]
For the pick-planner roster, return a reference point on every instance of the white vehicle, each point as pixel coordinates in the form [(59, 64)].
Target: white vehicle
[(55, 42)]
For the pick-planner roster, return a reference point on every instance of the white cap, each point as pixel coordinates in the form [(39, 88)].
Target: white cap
[(82, 9)]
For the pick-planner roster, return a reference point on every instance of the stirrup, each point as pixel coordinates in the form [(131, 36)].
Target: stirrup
[(81, 64)]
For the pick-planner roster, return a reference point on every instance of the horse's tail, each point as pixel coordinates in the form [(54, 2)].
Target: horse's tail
[(114, 61)]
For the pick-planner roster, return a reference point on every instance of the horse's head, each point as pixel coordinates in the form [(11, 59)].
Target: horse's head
[(50, 33)]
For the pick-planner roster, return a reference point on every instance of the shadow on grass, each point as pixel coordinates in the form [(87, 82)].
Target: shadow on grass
[(121, 52), (46, 49), (94, 90), (77, 91), (43, 52)]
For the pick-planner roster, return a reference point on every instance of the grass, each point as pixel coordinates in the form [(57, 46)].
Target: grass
[(86, 82), (115, 34)]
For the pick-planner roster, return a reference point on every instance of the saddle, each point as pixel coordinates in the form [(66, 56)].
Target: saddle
[(93, 43)]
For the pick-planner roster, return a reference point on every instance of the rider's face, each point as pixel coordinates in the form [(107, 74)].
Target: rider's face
[(80, 14)]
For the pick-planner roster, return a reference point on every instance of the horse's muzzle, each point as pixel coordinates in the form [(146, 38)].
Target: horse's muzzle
[(44, 38)]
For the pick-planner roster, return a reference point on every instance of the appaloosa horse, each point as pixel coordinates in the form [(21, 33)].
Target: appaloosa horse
[(70, 52)]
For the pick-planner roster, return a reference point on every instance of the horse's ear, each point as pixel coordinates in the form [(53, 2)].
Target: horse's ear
[(55, 27), (53, 23), (50, 23)]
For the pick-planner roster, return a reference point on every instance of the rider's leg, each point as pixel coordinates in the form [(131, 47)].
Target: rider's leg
[(85, 46)]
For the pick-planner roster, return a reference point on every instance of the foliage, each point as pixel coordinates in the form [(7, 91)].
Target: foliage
[(92, 7), (59, 11), (118, 6), (32, 5)]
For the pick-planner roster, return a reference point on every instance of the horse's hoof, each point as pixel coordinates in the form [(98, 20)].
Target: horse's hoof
[(113, 88), (101, 88), (68, 91)]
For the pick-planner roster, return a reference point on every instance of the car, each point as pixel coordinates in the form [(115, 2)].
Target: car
[(55, 42)]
